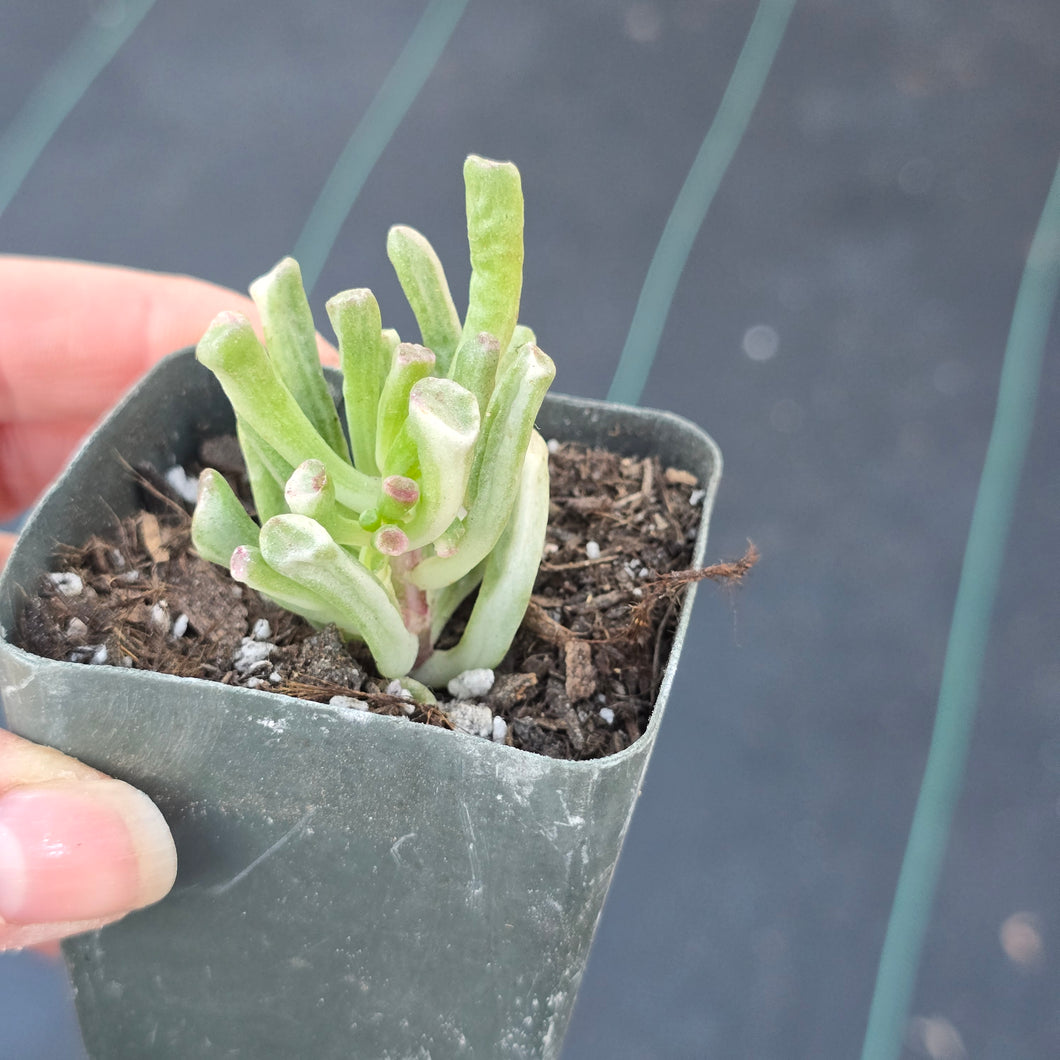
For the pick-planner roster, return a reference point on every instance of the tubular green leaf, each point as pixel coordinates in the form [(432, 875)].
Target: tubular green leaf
[(399, 496), (499, 456), (220, 523), (520, 337), (364, 351), (390, 540), (507, 581), (309, 492), (231, 350), (443, 426), (475, 367), (247, 565), (291, 339), (410, 364), (266, 470), (494, 197), (302, 550), (420, 693), (423, 280)]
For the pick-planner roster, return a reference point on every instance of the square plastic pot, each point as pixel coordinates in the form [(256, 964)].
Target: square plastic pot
[(350, 885)]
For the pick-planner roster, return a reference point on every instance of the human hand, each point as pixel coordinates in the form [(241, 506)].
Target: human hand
[(77, 849), (73, 337)]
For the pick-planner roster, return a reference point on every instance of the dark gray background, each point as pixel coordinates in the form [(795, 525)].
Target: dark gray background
[(876, 217)]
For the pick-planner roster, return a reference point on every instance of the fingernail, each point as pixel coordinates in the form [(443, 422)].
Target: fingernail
[(77, 850)]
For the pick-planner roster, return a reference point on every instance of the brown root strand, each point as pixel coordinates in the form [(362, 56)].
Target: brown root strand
[(665, 587), (669, 586)]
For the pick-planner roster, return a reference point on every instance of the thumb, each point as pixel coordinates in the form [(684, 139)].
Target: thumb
[(7, 543), (77, 849)]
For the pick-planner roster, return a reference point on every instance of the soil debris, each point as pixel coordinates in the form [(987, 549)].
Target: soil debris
[(579, 681)]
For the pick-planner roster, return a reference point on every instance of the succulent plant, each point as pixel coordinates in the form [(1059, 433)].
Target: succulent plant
[(438, 486)]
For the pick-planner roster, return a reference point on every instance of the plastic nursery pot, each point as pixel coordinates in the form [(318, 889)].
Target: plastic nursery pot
[(350, 885)]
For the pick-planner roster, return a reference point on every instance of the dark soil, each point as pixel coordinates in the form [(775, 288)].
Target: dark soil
[(596, 636)]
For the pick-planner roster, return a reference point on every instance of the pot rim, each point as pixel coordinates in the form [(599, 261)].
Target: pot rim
[(264, 698)]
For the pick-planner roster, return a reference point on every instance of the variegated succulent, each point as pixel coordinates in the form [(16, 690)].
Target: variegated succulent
[(439, 484)]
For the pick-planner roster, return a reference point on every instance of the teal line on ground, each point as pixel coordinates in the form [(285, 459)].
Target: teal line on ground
[(399, 89), (59, 91), (694, 199), (984, 559)]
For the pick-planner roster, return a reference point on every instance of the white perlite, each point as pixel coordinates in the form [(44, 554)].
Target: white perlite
[(92, 654), (182, 484), (500, 730), (68, 583), (347, 702), (471, 684), (608, 715), (159, 616), (396, 688), (251, 654), (475, 719), (261, 630), (180, 626), (592, 550)]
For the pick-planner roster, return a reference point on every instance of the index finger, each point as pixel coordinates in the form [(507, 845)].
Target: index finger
[(75, 335)]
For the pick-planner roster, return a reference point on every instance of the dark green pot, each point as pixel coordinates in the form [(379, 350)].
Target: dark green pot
[(350, 885)]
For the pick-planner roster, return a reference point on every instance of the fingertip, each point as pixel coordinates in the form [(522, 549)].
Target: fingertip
[(77, 850), (7, 543), (156, 854)]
